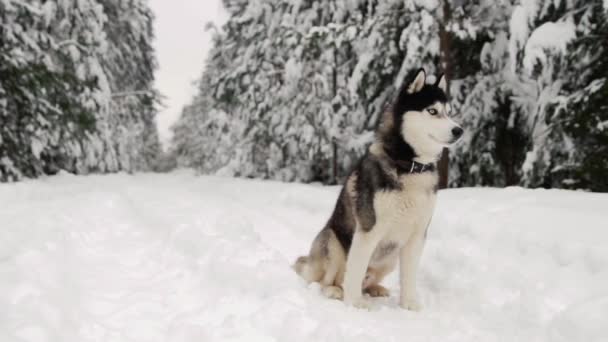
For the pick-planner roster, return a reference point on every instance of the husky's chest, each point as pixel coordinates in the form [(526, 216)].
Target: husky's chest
[(406, 210)]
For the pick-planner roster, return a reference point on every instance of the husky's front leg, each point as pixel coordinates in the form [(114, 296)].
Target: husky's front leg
[(361, 250), (408, 263)]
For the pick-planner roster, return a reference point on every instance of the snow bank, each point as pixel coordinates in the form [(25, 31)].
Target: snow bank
[(180, 258)]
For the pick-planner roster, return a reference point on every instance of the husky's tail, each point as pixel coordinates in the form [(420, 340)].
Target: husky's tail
[(303, 267)]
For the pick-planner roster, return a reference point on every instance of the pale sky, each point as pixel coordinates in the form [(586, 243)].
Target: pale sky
[(181, 46)]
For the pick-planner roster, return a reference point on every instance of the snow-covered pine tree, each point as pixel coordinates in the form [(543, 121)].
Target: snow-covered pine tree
[(318, 53), (577, 134), (55, 88), (534, 108), (49, 92), (210, 134), (558, 53), (490, 152), (130, 63)]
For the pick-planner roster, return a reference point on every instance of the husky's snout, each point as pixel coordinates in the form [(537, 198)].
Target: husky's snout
[(457, 132)]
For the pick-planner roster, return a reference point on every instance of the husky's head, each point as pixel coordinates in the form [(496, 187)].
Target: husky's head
[(419, 126)]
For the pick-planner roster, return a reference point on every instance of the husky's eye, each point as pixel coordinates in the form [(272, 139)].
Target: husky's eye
[(432, 111)]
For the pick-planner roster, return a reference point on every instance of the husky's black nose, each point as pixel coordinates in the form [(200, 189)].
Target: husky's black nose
[(457, 132)]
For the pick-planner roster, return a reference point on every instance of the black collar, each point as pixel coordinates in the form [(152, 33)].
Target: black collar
[(410, 166)]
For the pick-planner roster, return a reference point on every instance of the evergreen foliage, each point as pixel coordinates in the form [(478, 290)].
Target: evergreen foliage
[(293, 88), (76, 89)]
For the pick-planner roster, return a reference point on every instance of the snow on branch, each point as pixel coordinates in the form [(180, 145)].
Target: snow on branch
[(553, 36), (132, 93)]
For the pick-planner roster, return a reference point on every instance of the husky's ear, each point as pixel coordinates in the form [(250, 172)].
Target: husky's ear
[(417, 83), (442, 83)]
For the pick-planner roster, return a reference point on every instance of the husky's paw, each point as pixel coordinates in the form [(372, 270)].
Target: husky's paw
[(377, 290), (359, 302), (333, 292), (411, 304)]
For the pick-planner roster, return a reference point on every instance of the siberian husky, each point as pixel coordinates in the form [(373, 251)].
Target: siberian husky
[(385, 207)]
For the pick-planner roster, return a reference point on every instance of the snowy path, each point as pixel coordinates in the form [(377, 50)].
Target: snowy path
[(183, 258)]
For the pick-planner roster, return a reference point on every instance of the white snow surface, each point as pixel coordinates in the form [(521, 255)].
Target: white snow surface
[(183, 258)]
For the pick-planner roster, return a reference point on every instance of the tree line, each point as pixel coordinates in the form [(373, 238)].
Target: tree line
[(292, 90)]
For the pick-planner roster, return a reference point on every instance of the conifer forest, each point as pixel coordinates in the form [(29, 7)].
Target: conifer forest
[(292, 90)]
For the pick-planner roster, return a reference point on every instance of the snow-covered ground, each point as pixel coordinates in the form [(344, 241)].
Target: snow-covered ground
[(182, 258)]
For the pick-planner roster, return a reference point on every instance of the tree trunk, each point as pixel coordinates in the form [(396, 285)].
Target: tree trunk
[(334, 176), (335, 162), (444, 47)]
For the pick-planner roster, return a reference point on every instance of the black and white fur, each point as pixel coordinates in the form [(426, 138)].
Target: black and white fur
[(385, 207)]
